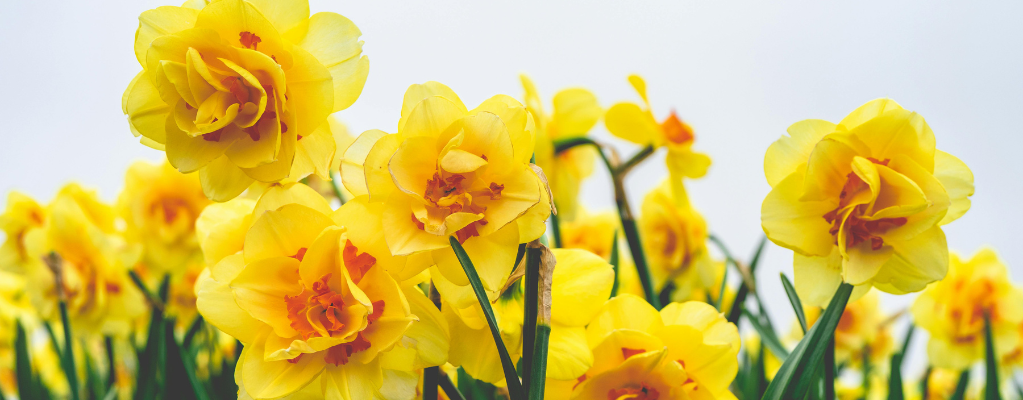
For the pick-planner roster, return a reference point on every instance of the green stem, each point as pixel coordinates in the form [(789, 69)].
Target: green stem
[(186, 344), (153, 300), (539, 369), (797, 304), (449, 387), (69, 353), (638, 256), (829, 369), (337, 189), (740, 296), (964, 380), (556, 230), (511, 377), (53, 339), (992, 388), (431, 378), (108, 342), (614, 261), (22, 363), (635, 160), (529, 312), (720, 301)]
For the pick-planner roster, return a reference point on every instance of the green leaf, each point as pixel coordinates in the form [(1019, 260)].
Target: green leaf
[(68, 355), (740, 295), (964, 380), (720, 301), (638, 256), (510, 376), (531, 280), (991, 387), (449, 387), (767, 337), (539, 370), (476, 390), (792, 381), (93, 383), (152, 359), (797, 305), (614, 262), (187, 363), (22, 363), (895, 391)]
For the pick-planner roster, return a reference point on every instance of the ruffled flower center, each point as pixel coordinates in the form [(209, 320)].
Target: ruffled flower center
[(450, 193), (859, 230), (967, 312)]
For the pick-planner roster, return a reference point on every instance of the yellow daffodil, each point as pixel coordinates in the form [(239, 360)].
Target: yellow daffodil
[(637, 124), (93, 268), (581, 283), (687, 350), (675, 242), (23, 217), (450, 171), (591, 231), (159, 207), (863, 201), (575, 112), (953, 311), (240, 90), (308, 294)]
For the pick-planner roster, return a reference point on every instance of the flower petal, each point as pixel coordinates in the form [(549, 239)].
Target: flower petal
[(516, 119), (629, 122), (283, 232), (915, 263), (222, 180), (431, 116), (623, 312), (791, 153), (795, 224), (581, 282), (279, 195), (576, 111), (215, 301), (146, 110), (188, 154), (418, 92), (261, 287), (274, 379), (353, 170), (568, 356), (161, 21), (957, 179)]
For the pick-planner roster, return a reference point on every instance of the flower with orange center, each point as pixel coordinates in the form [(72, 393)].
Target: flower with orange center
[(448, 172), (953, 311), (159, 207), (637, 124), (687, 350), (93, 268), (575, 112), (675, 241), (22, 218), (239, 89), (315, 309), (863, 201)]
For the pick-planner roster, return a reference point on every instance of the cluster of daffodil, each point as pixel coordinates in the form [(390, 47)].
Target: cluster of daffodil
[(276, 256)]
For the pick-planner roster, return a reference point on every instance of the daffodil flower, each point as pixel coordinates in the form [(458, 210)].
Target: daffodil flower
[(575, 112), (238, 89), (637, 124), (159, 207), (310, 297), (93, 268), (23, 218), (863, 201), (685, 350), (675, 243), (953, 311), (450, 171)]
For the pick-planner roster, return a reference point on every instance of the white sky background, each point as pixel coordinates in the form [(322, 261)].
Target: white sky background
[(739, 73)]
